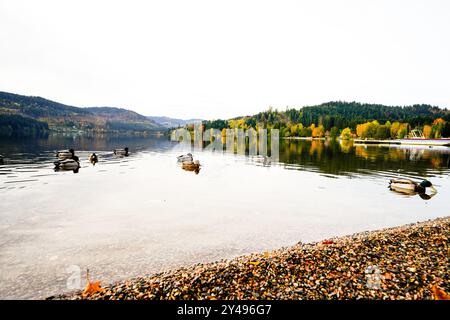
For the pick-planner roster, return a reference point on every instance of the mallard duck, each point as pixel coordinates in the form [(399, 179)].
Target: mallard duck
[(65, 154), (121, 152), (407, 186), (261, 159), (67, 164), (93, 159), (185, 158)]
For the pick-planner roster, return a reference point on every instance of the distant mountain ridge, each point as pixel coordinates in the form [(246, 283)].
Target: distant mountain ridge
[(173, 122), (36, 106), (61, 117), (115, 112)]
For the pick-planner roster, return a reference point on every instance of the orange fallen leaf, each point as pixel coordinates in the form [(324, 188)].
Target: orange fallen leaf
[(439, 294), (328, 242), (91, 287), (387, 276)]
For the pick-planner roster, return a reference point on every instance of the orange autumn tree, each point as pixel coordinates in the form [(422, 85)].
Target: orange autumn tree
[(318, 132), (427, 131), (438, 121), (438, 128)]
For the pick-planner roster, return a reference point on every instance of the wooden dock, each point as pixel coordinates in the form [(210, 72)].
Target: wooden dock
[(371, 141), (421, 142)]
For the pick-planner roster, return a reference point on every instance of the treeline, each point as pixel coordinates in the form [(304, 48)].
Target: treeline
[(347, 119), (127, 126), (350, 114), (375, 130), (439, 128), (15, 125)]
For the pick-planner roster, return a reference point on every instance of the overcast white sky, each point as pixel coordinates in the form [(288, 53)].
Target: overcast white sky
[(219, 59)]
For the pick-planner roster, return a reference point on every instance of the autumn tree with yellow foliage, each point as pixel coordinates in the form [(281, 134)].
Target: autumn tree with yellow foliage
[(346, 134)]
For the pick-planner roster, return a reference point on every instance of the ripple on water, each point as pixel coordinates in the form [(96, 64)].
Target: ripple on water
[(22, 181)]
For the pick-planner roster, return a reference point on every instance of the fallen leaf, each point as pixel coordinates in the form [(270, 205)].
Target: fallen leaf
[(328, 242), (387, 276), (439, 294), (92, 287)]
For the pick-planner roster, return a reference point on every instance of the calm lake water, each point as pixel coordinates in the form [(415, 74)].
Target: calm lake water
[(142, 214)]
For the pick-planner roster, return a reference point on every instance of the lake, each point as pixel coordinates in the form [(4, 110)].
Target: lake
[(141, 214)]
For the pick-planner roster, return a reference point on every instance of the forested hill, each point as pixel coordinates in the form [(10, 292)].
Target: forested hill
[(335, 116), (36, 107), (349, 114), (118, 113), (61, 117)]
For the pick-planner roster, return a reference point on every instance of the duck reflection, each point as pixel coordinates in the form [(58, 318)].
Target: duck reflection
[(74, 169), (191, 166)]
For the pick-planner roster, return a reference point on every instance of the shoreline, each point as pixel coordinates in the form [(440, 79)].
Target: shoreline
[(441, 142), (402, 262), (306, 138)]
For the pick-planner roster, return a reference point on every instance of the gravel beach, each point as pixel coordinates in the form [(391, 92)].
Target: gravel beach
[(396, 263)]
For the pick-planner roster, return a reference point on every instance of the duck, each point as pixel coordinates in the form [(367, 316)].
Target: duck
[(93, 158), (121, 152), (191, 166), (408, 186), (261, 159), (185, 158), (65, 154), (67, 164)]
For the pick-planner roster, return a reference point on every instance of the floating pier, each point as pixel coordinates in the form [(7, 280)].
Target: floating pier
[(421, 142)]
